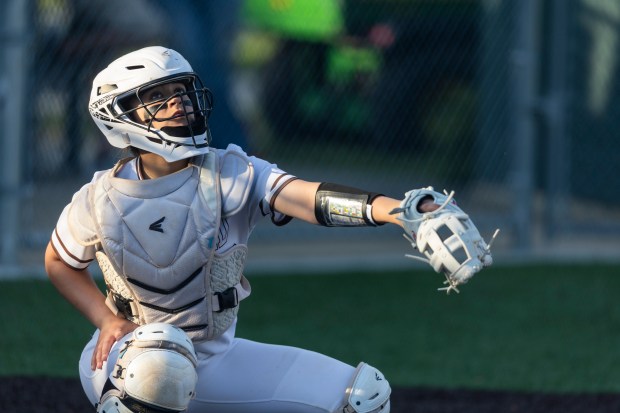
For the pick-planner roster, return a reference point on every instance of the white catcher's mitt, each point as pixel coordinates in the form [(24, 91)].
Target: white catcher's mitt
[(446, 238)]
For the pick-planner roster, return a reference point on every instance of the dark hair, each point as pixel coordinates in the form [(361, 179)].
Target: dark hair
[(130, 151), (135, 151)]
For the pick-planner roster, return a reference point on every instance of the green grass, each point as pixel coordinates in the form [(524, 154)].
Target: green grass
[(544, 328), (41, 334)]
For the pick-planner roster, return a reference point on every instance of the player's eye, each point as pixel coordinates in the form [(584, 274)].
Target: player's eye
[(154, 96)]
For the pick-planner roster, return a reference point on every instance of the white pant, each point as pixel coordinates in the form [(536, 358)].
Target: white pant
[(242, 376)]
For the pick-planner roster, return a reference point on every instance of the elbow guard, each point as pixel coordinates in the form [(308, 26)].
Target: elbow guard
[(342, 206)]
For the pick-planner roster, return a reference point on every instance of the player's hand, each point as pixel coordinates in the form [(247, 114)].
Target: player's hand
[(112, 329), (427, 205)]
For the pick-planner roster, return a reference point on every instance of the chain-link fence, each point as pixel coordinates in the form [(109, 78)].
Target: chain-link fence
[(512, 103)]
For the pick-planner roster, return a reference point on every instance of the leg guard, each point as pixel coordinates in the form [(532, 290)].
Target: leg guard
[(155, 372), (369, 392)]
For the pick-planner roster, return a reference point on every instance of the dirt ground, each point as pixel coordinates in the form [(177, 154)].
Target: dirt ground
[(51, 395)]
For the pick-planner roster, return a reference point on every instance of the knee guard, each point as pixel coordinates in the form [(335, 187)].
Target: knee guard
[(155, 372), (369, 392)]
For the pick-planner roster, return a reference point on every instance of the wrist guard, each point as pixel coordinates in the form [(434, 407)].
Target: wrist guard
[(342, 206)]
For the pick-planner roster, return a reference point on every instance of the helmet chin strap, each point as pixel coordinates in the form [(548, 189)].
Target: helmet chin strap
[(183, 131)]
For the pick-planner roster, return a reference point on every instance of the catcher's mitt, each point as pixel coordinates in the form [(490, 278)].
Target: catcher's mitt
[(447, 238)]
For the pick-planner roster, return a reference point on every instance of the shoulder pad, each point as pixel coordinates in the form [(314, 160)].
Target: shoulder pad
[(81, 223), (236, 178)]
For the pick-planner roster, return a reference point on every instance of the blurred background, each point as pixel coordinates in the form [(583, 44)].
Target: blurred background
[(514, 104)]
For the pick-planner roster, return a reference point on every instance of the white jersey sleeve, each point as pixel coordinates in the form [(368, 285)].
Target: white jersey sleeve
[(71, 252), (270, 181), (74, 237)]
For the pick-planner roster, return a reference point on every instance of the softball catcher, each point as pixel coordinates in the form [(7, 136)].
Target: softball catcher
[(169, 227)]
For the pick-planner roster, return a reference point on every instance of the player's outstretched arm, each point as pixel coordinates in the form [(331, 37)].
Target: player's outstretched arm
[(308, 201), (425, 215)]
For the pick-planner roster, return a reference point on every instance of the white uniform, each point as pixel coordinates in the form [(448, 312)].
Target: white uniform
[(234, 375)]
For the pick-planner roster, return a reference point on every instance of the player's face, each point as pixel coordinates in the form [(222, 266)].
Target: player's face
[(167, 104)]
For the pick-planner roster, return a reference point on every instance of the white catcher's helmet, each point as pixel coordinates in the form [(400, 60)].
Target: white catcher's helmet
[(116, 95)]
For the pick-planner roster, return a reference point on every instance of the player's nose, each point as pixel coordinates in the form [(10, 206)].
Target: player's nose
[(175, 100)]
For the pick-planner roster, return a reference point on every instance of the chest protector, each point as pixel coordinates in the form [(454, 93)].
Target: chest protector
[(157, 247)]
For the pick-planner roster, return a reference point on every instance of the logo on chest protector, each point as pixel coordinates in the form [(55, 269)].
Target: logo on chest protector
[(156, 226)]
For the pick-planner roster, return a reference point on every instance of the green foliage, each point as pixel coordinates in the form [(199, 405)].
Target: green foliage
[(545, 328)]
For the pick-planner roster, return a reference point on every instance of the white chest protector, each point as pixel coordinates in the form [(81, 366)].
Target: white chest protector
[(157, 246)]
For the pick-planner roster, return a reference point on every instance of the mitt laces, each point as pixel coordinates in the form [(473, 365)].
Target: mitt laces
[(484, 249), (451, 282)]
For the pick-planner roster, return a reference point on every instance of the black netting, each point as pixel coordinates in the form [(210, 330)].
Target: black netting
[(507, 102)]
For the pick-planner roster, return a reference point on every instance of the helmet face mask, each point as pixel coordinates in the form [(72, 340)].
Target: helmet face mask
[(197, 103), (130, 98)]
